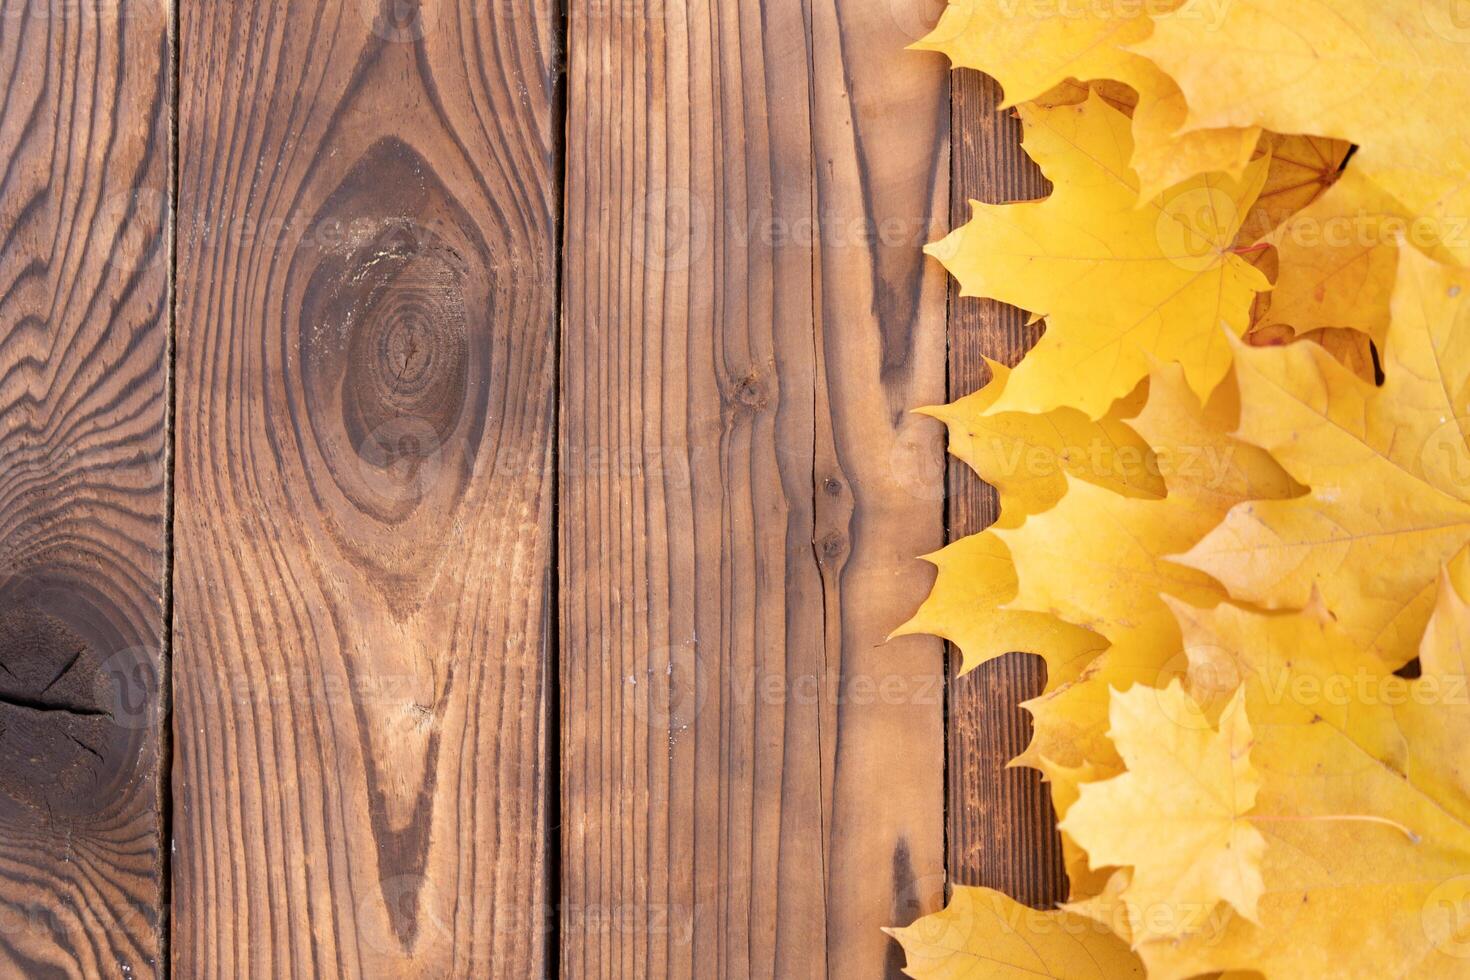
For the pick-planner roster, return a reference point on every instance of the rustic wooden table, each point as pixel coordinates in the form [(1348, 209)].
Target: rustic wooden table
[(457, 478)]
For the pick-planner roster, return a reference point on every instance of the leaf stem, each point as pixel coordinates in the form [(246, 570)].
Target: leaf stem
[(1381, 821)]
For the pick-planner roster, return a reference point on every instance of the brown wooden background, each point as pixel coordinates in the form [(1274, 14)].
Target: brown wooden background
[(457, 479)]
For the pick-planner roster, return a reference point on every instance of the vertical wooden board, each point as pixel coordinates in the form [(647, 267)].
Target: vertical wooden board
[(751, 781), (881, 132), (84, 319), (366, 364), (1002, 832), (692, 799)]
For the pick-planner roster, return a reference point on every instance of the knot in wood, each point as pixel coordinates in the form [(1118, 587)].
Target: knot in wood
[(832, 546), (750, 393), (406, 356), (71, 713)]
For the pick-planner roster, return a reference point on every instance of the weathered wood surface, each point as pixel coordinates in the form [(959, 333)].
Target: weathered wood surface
[(84, 266), (752, 781), (1001, 828), (364, 578), (366, 341)]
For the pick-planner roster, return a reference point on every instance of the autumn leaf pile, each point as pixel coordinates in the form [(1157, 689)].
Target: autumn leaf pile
[(1234, 478)]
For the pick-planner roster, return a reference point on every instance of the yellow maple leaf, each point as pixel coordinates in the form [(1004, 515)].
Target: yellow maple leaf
[(976, 581), (1363, 803), (1177, 816), (1355, 70), (1302, 169), (1031, 49), (1118, 283), (1388, 468), (1065, 783), (1072, 92), (1337, 259), (984, 935), (1028, 457), (1444, 653), (1106, 904), (1100, 561), (1352, 348), (1189, 449)]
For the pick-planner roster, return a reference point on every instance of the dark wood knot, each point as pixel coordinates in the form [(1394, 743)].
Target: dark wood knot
[(832, 546), (77, 697), (394, 338), (406, 371)]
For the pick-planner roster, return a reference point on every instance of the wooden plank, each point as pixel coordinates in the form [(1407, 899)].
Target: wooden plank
[(366, 365), (84, 318), (881, 143), (751, 781), (1002, 830)]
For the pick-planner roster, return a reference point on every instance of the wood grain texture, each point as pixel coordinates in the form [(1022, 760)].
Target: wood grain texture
[(366, 368), (751, 781), (84, 297), (1002, 832)]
